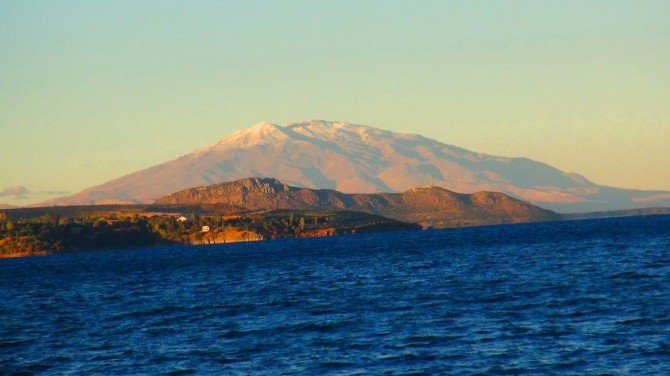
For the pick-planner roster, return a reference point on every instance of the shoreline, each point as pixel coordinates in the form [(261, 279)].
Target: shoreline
[(130, 233), (24, 254)]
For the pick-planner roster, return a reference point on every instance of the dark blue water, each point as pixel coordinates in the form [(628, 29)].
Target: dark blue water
[(583, 297)]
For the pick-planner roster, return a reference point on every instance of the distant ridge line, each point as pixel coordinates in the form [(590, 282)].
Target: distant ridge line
[(428, 206), (353, 158)]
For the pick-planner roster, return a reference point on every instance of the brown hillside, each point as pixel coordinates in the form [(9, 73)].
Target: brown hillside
[(429, 206)]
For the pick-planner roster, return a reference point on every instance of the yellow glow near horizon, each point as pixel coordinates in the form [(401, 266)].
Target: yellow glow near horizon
[(89, 92)]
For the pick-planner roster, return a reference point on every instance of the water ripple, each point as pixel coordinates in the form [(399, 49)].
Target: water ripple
[(585, 297)]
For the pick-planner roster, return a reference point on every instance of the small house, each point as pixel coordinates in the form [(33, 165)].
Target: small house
[(205, 229), (182, 219)]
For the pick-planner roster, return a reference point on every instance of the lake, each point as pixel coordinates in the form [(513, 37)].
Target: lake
[(576, 297)]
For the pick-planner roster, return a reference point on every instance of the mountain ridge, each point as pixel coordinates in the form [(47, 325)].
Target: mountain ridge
[(428, 206), (362, 159)]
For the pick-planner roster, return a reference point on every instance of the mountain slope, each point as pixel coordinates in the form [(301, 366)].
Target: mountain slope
[(361, 159), (430, 206)]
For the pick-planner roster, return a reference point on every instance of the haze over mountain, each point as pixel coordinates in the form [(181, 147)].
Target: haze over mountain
[(428, 206), (361, 159)]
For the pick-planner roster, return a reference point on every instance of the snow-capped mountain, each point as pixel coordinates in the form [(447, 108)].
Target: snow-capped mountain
[(361, 159)]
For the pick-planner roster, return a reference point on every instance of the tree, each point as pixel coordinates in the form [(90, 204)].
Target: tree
[(302, 222)]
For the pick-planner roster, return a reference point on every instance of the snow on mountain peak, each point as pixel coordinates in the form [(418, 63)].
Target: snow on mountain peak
[(356, 159), (325, 126), (265, 133), (262, 133), (334, 131)]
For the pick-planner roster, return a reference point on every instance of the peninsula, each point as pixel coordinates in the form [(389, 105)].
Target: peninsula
[(252, 209)]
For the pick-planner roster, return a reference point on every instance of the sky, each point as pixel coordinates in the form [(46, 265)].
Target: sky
[(90, 91)]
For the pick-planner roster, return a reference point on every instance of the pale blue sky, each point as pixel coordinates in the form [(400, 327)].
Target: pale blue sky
[(90, 91)]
